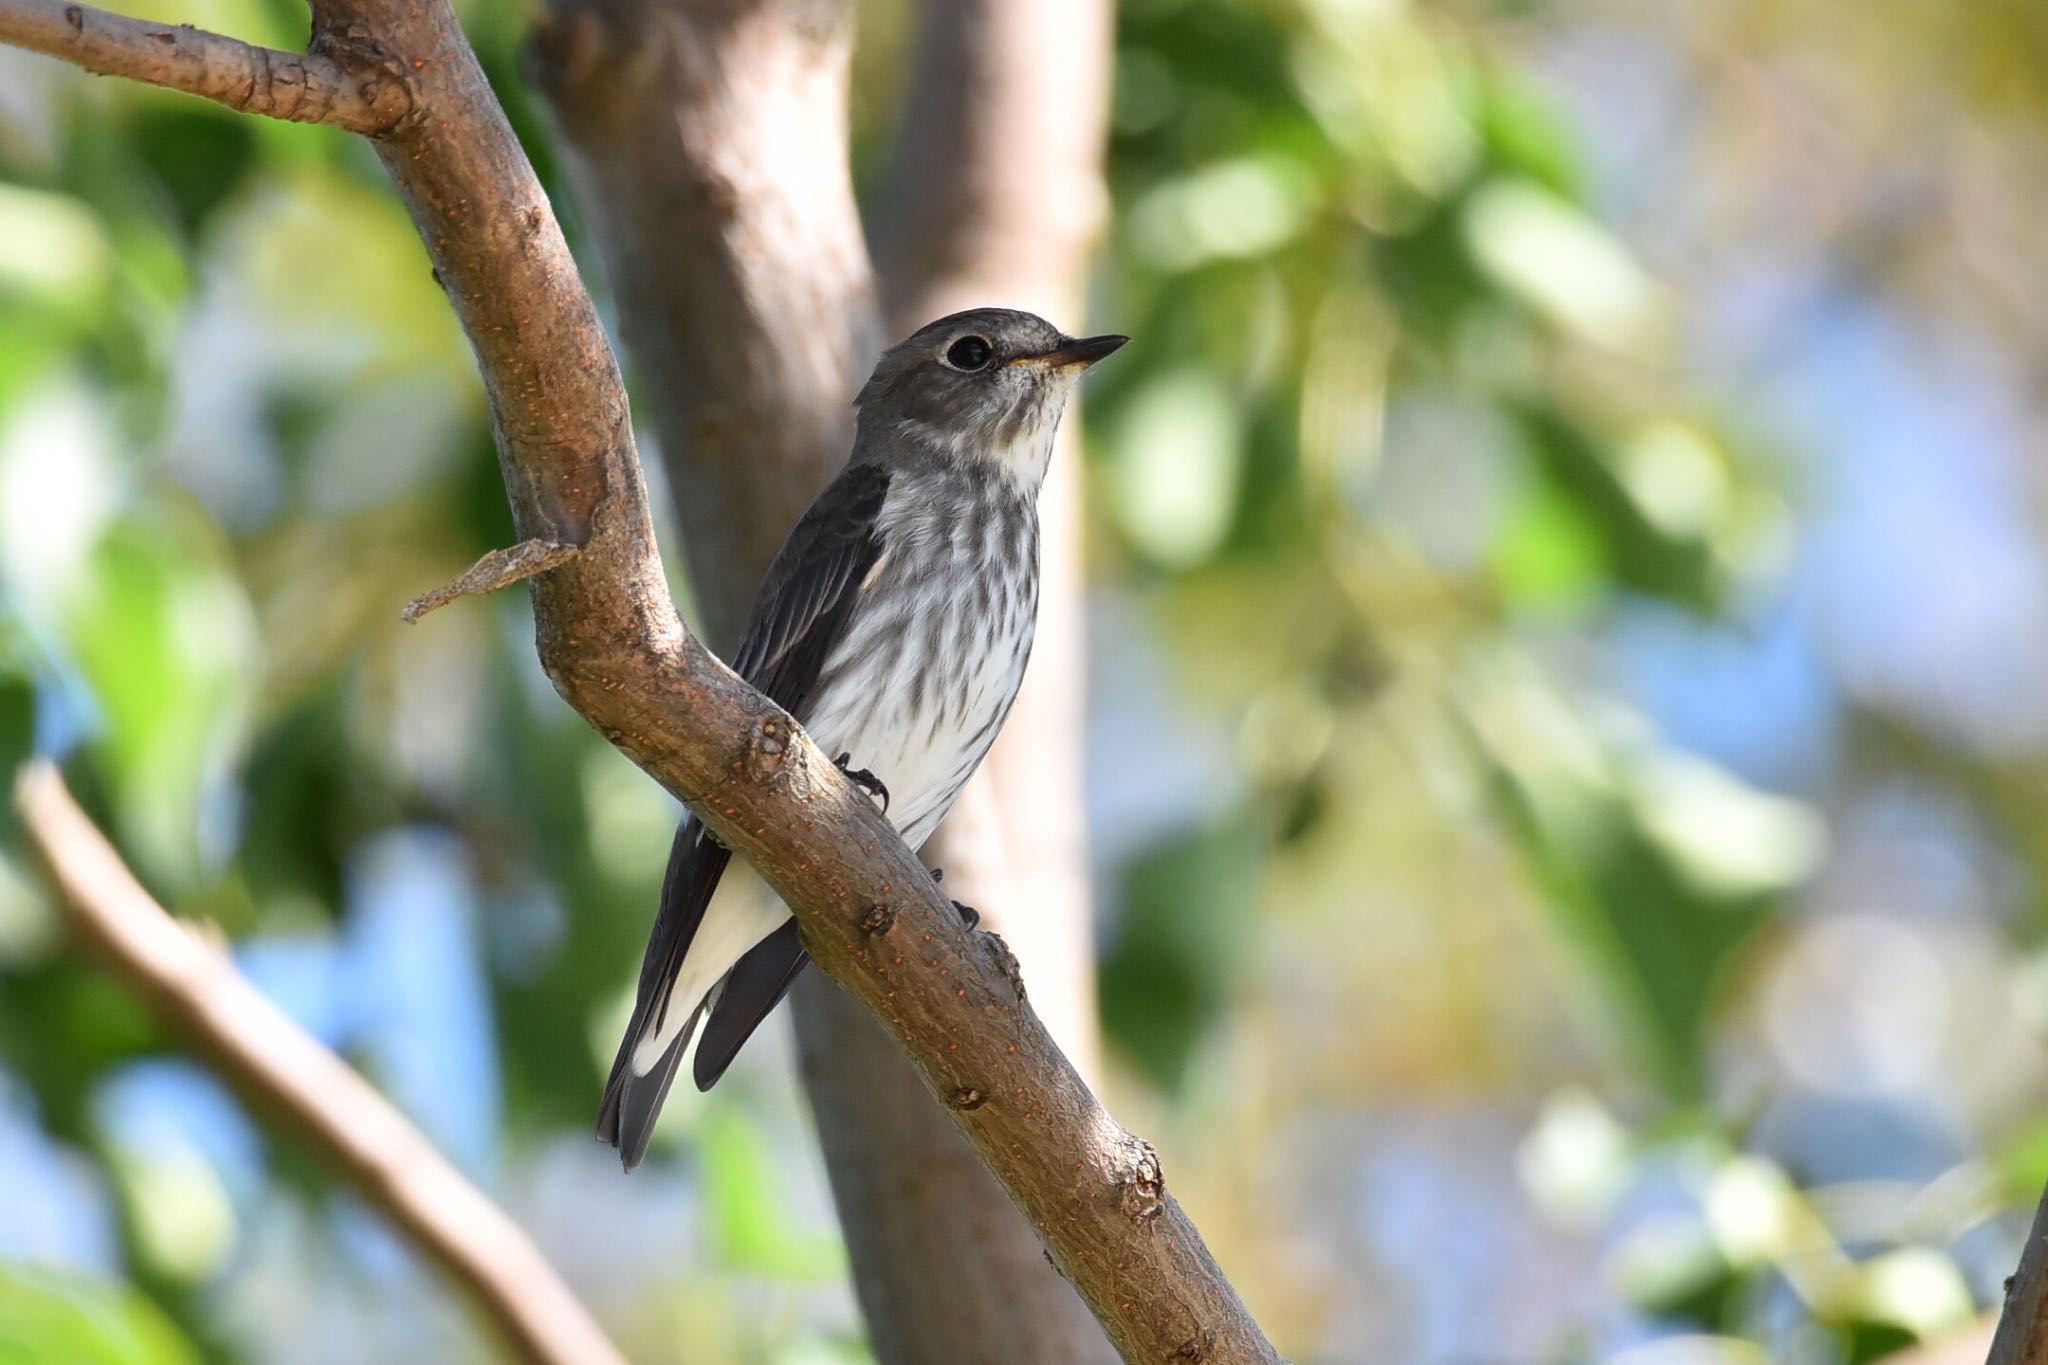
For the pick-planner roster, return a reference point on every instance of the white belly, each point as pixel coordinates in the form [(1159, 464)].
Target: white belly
[(923, 749)]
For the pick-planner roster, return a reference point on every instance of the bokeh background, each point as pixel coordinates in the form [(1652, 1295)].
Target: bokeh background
[(1568, 564)]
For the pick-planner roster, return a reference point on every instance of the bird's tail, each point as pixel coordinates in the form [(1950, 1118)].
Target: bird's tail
[(632, 1097), (664, 1021), (711, 915)]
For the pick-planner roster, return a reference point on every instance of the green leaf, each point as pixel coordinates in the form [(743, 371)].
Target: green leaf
[(17, 725), (2021, 1166), (17, 722), (165, 639), (746, 1196), (50, 1317), (1561, 264), (1867, 1341), (1527, 134), (1660, 919), (57, 253), (1174, 468), (1636, 551), (1550, 554), (1186, 924), (200, 153)]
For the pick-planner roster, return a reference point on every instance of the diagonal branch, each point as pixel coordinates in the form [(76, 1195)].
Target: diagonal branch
[(497, 569), (195, 989), (350, 87), (2022, 1335), (612, 643)]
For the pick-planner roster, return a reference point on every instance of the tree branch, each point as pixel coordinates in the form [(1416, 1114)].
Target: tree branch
[(618, 654), (2022, 1336), (610, 639), (195, 989), (350, 86)]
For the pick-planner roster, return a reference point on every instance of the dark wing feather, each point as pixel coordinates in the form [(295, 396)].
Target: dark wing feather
[(812, 586), (798, 617), (625, 1118), (756, 986)]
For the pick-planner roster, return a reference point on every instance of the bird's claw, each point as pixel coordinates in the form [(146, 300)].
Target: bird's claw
[(865, 780), (969, 916)]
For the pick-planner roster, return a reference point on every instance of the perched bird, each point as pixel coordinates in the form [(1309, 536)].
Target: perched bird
[(894, 625)]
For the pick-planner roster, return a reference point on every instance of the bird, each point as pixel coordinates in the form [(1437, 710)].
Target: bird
[(894, 624)]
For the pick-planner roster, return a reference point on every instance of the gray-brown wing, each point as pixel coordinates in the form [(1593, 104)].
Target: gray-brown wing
[(799, 616), (812, 586)]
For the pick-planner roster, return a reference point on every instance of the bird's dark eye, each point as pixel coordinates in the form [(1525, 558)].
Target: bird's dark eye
[(970, 353)]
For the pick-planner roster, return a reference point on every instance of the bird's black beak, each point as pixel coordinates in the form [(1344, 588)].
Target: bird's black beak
[(1077, 354)]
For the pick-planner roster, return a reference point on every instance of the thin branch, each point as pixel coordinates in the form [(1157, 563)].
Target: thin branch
[(351, 88), (2022, 1337), (498, 569), (610, 639), (194, 988)]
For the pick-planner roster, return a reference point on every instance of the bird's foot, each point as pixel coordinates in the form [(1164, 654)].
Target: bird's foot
[(969, 916), (865, 780)]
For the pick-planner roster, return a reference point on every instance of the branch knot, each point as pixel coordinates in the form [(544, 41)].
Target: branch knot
[(999, 955), (768, 748), (1144, 1196)]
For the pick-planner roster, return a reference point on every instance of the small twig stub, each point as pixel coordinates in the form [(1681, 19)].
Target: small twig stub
[(498, 569)]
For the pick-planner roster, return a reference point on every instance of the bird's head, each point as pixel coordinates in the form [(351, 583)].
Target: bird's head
[(982, 386)]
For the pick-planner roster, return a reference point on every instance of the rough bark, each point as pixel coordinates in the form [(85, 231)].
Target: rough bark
[(611, 641), (193, 987), (709, 143)]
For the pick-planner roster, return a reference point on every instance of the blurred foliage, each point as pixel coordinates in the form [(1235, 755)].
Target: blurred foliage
[(1407, 220), (48, 1316), (1429, 450)]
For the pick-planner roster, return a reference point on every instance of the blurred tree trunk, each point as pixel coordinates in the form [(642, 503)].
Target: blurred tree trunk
[(708, 145), (706, 140)]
